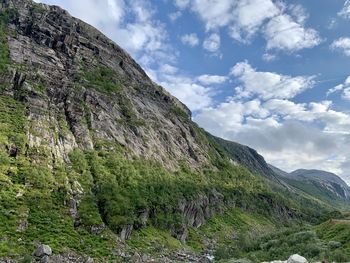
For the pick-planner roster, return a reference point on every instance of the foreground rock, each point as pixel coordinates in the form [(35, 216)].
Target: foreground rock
[(292, 259), (42, 250), (43, 254)]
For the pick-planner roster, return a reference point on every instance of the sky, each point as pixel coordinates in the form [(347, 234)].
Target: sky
[(270, 74)]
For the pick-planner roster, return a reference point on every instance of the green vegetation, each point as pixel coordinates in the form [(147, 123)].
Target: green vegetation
[(328, 241), (102, 79), (320, 193), (4, 50), (154, 241), (12, 124)]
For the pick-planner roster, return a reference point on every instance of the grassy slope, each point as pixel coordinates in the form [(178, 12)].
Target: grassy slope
[(325, 242), (319, 193)]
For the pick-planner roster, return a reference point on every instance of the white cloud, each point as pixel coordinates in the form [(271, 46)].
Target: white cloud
[(345, 12), (249, 15), (269, 57), (335, 89), (342, 44), (211, 79), (195, 96), (245, 18), (182, 3), (285, 132), (283, 33), (214, 13), (168, 69), (212, 43), (298, 13), (346, 94), (190, 39), (344, 88), (175, 15), (268, 85)]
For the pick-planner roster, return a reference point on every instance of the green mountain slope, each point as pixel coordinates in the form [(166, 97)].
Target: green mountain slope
[(322, 185), (98, 161)]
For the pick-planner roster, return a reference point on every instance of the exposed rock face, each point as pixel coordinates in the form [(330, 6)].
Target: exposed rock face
[(322, 179), (245, 156), (67, 111), (197, 211), (326, 186), (42, 250)]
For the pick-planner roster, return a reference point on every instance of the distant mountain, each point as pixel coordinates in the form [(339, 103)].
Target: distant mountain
[(245, 156), (323, 185)]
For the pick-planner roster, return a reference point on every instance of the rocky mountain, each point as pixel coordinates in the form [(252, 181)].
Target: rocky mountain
[(246, 156), (97, 162), (323, 185)]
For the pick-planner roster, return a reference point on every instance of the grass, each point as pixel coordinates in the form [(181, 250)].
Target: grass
[(4, 49), (325, 242), (317, 192), (102, 79), (12, 124), (154, 241)]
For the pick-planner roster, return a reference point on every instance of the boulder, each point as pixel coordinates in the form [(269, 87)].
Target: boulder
[(297, 259), (42, 250)]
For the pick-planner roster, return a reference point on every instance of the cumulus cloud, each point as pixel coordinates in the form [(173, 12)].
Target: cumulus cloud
[(342, 44), (344, 88), (267, 85), (212, 43), (194, 95), (298, 13), (214, 13), (345, 12), (269, 57), (248, 16), (211, 79), (190, 39), (168, 69), (282, 25), (283, 33), (346, 94)]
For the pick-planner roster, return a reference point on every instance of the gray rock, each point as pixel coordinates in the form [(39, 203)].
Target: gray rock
[(297, 259), (126, 232), (68, 107), (42, 250), (180, 233)]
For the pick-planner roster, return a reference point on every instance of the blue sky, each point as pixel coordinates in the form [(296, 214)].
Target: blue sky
[(266, 73)]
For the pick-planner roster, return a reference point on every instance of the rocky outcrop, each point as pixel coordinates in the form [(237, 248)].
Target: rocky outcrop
[(67, 109), (42, 250), (245, 156), (197, 211)]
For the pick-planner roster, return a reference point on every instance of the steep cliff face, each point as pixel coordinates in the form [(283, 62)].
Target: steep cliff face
[(81, 89)]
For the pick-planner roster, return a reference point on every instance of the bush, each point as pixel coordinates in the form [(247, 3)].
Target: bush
[(334, 244), (103, 79)]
